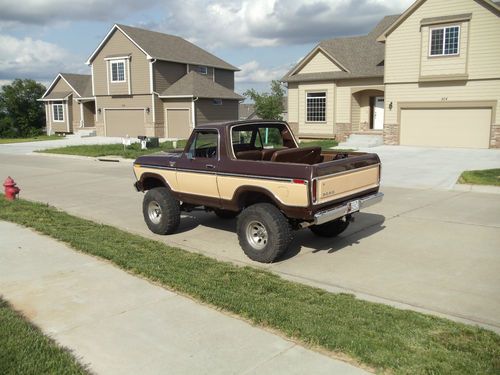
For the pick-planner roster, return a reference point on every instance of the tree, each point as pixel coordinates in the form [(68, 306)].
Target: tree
[(268, 106), (21, 115)]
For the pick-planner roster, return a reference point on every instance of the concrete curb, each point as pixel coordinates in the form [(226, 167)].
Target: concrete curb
[(78, 157), (477, 188)]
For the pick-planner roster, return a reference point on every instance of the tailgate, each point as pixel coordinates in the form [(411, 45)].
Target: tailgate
[(337, 179)]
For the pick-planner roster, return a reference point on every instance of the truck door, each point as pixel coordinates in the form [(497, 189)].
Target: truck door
[(197, 168)]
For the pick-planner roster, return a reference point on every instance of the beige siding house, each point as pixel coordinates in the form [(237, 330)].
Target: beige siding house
[(428, 77), (143, 83), (69, 105)]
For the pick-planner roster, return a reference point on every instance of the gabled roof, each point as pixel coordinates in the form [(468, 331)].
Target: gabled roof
[(81, 84), (194, 84), (55, 95), (166, 47), (359, 56), (492, 5)]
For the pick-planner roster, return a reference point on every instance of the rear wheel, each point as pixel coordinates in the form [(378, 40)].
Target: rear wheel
[(161, 211), (225, 214), (264, 232), (331, 229)]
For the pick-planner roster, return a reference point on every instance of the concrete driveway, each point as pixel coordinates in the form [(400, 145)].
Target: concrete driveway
[(430, 250), (425, 167)]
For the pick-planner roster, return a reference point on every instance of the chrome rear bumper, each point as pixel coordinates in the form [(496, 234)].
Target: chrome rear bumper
[(347, 208)]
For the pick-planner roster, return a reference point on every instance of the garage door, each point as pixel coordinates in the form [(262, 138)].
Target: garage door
[(123, 122), (446, 127), (178, 123)]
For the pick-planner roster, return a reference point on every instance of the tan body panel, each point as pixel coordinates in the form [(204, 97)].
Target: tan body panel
[(204, 184), (212, 185), (288, 193), (341, 185)]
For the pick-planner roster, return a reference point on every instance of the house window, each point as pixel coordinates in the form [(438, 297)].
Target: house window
[(316, 106), (217, 101), (445, 41), (203, 70), (57, 112), (118, 71)]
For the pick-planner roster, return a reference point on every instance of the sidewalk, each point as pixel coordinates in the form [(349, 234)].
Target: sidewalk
[(121, 324)]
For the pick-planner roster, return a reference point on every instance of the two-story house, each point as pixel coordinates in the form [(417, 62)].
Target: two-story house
[(143, 83), (427, 77)]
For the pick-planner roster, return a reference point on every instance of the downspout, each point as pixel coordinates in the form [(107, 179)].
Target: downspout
[(153, 92), (193, 117)]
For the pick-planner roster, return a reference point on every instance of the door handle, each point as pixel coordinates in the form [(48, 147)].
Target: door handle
[(210, 166)]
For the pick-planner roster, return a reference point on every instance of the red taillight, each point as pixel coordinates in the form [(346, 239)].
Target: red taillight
[(314, 183), (297, 181)]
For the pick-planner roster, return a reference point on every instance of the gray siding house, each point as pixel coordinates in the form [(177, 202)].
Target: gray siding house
[(143, 83)]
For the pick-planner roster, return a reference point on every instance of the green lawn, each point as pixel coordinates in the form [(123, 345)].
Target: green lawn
[(30, 139), (133, 151), (325, 144), (483, 177), (24, 349), (376, 335), (130, 152)]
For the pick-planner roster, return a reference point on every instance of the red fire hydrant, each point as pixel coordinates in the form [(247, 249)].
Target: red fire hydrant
[(11, 190)]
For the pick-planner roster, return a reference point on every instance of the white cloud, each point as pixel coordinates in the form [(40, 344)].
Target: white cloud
[(53, 11), (252, 72), (36, 59), (257, 23)]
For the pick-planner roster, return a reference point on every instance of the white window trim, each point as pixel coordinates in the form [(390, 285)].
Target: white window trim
[(326, 112), (54, 112), (111, 62), (203, 69), (444, 40)]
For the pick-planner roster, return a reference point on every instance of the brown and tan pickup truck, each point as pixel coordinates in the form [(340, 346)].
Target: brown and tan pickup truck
[(255, 171)]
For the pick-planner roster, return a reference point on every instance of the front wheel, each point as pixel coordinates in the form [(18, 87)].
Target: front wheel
[(331, 229), (161, 211), (264, 232)]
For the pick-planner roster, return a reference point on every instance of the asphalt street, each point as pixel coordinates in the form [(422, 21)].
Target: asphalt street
[(429, 250)]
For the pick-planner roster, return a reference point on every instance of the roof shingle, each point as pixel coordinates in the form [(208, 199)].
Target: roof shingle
[(199, 86), (173, 48), (362, 56), (82, 83)]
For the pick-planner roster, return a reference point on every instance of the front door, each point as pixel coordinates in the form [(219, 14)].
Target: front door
[(378, 113), (197, 168)]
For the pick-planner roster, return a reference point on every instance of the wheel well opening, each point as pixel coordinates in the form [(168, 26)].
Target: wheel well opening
[(152, 182), (249, 198)]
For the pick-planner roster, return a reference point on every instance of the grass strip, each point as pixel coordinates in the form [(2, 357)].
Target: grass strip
[(24, 349), (481, 177), (377, 335), (325, 144), (30, 139), (129, 152)]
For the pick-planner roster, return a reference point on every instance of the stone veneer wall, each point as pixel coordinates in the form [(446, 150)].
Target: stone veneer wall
[(364, 126), (495, 136), (391, 134), (342, 131)]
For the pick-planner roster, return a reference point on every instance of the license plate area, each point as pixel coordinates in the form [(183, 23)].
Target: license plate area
[(353, 206)]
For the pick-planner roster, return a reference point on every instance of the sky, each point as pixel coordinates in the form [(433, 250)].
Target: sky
[(264, 38)]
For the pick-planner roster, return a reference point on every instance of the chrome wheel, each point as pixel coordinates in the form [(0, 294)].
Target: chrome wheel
[(154, 212), (256, 235)]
